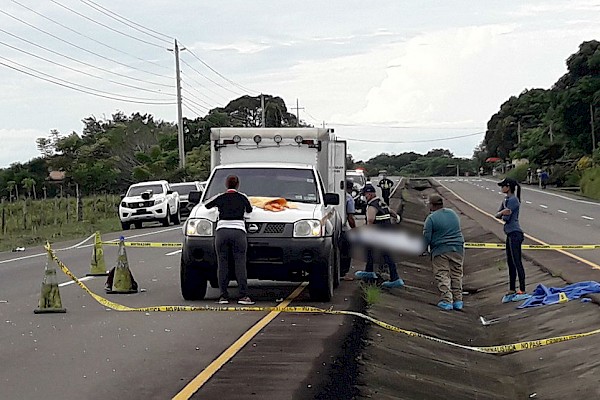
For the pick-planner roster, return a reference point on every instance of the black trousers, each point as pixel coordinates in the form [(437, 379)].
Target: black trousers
[(231, 243), (513, 258)]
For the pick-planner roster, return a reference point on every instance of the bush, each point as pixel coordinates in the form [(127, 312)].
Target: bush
[(519, 173), (590, 183)]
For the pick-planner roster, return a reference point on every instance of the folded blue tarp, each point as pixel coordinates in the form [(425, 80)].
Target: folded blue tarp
[(543, 295)]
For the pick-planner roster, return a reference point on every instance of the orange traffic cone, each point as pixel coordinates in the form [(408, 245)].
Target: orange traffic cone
[(97, 266), (50, 301), (120, 279)]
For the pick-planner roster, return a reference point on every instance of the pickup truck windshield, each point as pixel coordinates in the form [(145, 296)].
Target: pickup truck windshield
[(138, 190), (184, 189), (297, 185), (357, 178)]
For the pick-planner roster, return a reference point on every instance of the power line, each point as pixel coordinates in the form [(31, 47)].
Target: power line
[(83, 62), (196, 98), (202, 86), (128, 22), (83, 72), (89, 37), (106, 26), (82, 48), (198, 114), (209, 79), (412, 141), (245, 89), (196, 104), (85, 89), (398, 126)]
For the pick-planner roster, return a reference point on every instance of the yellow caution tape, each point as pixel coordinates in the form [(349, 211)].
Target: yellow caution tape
[(502, 349), (144, 244), (534, 246)]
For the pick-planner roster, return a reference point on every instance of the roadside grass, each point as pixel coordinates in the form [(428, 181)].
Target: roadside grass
[(30, 222), (371, 294)]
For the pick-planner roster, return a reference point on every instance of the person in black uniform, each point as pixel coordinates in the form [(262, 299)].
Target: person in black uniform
[(230, 238), (386, 186), (379, 215)]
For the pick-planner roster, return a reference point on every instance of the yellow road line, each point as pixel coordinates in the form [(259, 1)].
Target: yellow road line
[(583, 260), (199, 381)]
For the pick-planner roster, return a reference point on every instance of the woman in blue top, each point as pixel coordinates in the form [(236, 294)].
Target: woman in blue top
[(509, 213)]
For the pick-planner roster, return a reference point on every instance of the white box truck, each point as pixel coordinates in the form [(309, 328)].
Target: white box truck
[(306, 166)]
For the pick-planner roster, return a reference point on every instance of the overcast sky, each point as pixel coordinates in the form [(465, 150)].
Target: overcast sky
[(401, 76)]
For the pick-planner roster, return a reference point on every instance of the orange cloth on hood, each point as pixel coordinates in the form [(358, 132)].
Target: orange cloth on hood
[(271, 203)]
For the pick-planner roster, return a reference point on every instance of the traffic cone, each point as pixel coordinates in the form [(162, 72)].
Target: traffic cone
[(122, 279), (50, 297), (98, 266)]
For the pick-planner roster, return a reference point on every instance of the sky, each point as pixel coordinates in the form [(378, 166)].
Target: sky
[(389, 76)]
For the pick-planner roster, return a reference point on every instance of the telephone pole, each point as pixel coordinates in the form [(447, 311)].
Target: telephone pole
[(180, 140), (297, 108), (519, 131), (262, 107)]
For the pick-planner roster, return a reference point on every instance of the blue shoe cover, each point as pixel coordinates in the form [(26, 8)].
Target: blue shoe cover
[(365, 275), (393, 284), (507, 298), (520, 296), (458, 305), (444, 305)]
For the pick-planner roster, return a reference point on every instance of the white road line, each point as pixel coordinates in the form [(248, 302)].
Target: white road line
[(528, 202), (173, 253), (586, 217), (562, 212), (85, 278), (543, 206)]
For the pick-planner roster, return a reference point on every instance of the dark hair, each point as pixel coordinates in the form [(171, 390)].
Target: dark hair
[(232, 182)]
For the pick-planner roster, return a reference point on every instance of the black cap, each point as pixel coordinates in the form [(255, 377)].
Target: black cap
[(508, 182), (369, 189)]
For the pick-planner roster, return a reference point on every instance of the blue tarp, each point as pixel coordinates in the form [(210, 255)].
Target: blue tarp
[(543, 295)]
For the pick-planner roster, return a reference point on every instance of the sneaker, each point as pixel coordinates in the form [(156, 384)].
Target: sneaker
[(444, 305), (520, 295), (458, 305), (223, 300), (393, 284), (507, 298), (245, 301), (365, 275)]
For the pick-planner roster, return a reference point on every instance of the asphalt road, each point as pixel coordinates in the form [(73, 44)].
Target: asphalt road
[(92, 352), (547, 215)]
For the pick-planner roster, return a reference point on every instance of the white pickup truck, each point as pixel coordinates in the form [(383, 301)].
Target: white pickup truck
[(149, 201), (305, 166)]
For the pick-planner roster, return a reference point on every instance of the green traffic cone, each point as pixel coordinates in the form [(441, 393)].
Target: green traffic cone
[(98, 266), (50, 301), (122, 281)]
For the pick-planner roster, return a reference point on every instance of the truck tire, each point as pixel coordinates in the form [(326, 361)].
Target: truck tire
[(193, 283), (138, 224), (321, 280), (167, 219), (125, 225), (177, 217), (336, 266)]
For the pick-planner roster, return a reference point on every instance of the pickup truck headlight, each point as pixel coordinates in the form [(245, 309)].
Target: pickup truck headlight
[(199, 227), (308, 228), (159, 201)]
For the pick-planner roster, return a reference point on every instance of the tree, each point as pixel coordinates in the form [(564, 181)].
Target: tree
[(12, 185), (29, 185)]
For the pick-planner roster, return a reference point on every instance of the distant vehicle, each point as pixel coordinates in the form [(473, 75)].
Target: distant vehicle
[(360, 180), (149, 201), (382, 172), (184, 189)]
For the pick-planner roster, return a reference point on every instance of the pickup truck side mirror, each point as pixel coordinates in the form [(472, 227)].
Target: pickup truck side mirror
[(194, 197), (332, 199), (169, 192), (123, 196)]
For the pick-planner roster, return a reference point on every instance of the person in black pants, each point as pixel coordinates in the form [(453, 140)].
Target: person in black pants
[(230, 238), (386, 186)]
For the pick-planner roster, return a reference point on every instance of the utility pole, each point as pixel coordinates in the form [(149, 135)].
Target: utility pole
[(551, 136), (179, 111), (592, 125), (519, 131), (297, 113), (262, 107)]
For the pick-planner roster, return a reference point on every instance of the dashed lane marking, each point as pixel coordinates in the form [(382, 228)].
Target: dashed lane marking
[(562, 212), (586, 217)]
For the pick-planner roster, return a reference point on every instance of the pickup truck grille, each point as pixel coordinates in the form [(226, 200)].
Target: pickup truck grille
[(264, 228), (141, 204)]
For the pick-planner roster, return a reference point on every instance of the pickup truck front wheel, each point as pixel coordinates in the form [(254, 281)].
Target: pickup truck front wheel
[(176, 217), (193, 283), (322, 281), (125, 225), (167, 219)]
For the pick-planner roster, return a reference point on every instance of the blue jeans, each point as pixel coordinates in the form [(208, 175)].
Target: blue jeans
[(513, 258), (387, 259)]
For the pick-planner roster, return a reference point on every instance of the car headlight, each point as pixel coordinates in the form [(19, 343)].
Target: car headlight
[(308, 228), (159, 201), (199, 227), (123, 204)]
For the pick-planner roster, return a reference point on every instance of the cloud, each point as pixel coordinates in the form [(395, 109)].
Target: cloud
[(18, 141)]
